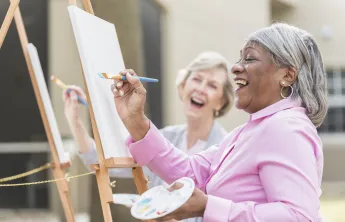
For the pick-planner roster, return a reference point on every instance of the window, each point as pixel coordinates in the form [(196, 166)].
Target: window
[(335, 120)]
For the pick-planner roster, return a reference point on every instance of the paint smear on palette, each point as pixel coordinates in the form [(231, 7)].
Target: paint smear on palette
[(163, 209), (161, 212), (143, 209), (144, 202), (150, 212)]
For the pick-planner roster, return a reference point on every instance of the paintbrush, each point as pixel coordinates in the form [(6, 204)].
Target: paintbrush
[(104, 75), (65, 87)]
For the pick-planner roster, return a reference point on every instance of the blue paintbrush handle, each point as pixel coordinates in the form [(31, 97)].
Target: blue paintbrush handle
[(142, 79), (80, 100)]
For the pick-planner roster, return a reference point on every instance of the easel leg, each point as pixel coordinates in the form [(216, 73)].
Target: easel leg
[(63, 190), (140, 181), (102, 176), (7, 21), (105, 192), (58, 172)]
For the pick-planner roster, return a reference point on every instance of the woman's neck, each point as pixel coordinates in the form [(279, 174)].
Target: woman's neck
[(198, 129)]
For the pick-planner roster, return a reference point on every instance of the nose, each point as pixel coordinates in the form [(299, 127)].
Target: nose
[(202, 86), (237, 68)]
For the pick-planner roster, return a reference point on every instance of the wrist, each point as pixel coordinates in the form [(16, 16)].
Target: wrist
[(203, 205), (71, 118), (137, 126), (75, 124)]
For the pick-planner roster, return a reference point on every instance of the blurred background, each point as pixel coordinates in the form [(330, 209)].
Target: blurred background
[(157, 38)]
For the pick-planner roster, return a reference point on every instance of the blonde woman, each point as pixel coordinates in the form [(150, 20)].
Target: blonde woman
[(206, 92)]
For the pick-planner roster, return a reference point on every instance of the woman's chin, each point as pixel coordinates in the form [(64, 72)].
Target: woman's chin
[(240, 104)]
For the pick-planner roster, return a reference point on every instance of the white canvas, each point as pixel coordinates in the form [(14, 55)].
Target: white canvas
[(42, 86), (100, 51)]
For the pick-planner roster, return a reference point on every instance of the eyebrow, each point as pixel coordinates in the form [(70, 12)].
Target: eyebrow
[(248, 47), (215, 82)]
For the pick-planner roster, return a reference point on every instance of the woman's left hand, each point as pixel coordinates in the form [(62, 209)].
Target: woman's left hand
[(194, 207)]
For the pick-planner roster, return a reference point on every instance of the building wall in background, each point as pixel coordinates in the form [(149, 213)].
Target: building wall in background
[(317, 18)]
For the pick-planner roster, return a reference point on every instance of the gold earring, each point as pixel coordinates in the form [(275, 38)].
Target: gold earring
[(281, 92)]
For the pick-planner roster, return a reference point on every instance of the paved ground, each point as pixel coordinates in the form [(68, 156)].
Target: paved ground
[(333, 202), (34, 216)]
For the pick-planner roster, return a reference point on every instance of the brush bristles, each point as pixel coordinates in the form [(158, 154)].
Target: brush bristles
[(105, 75), (58, 82), (53, 78)]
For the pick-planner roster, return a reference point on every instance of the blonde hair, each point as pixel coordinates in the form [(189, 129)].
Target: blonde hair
[(205, 61)]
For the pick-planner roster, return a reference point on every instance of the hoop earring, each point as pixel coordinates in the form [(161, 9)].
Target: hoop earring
[(281, 92)]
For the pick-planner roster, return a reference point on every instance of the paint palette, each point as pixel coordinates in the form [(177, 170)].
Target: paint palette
[(125, 199), (158, 201)]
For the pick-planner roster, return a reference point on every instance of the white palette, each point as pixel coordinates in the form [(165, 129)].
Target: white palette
[(100, 51), (158, 201), (42, 86), (125, 199)]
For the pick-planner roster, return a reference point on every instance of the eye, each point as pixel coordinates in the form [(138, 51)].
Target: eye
[(196, 79), (249, 59), (213, 86)]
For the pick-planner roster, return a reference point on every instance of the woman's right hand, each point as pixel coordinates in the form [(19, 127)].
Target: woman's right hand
[(72, 106), (130, 97)]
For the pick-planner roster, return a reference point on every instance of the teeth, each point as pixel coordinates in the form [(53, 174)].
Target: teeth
[(197, 100), (241, 82)]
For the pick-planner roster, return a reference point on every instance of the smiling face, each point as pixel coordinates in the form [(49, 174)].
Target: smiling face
[(202, 92), (258, 79)]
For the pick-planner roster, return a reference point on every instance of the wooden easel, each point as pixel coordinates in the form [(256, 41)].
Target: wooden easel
[(7, 21), (101, 169), (57, 167)]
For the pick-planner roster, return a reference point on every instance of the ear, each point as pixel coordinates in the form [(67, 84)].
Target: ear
[(180, 89), (290, 76)]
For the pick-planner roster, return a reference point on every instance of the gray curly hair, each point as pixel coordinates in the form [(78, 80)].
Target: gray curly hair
[(293, 47), (209, 60)]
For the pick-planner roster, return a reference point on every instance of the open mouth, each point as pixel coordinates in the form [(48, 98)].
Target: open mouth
[(197, 102), (241, 83)]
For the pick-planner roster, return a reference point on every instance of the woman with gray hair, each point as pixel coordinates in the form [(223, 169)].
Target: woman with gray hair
[(270, 168), (207, 93)]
